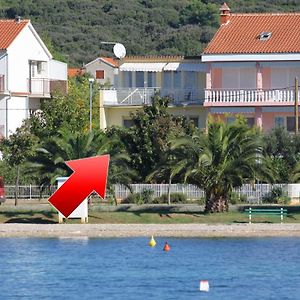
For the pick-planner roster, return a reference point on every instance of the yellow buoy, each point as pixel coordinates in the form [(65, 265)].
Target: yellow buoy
[(152, 242)]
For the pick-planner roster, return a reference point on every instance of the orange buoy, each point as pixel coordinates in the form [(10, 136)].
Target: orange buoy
[(167, 247)]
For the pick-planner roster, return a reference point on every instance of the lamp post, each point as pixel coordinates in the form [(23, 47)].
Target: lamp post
[(91, 81)]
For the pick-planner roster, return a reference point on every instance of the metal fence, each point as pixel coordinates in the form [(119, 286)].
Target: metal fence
[(30, 191), (253, 192)]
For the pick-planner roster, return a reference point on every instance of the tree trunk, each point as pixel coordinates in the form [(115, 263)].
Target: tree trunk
[(216, 203), (17, 186), (169, 191)]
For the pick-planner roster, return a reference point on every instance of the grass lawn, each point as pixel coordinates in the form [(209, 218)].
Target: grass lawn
[(47, 215)]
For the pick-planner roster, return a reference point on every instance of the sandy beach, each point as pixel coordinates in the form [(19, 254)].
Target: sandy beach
[(146, 230)]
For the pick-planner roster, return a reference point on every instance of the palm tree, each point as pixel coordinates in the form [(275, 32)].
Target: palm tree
[(167, 169), (49, 161), (223, 158)]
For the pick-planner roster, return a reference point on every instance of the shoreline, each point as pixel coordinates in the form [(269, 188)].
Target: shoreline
[(147, 230)]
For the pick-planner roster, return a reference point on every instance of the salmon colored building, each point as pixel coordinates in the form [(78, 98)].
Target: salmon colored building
[(251, 66)]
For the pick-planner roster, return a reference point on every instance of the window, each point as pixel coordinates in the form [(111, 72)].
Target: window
[(190, 80), (195, 121), (230, 120), (264, 36), (177, 80), (151, 79), (167, 79), (39, 67), (128, 123), (250, 122), (99, 74), (279, 122), (290, 123), (139, 79), (127, 77)]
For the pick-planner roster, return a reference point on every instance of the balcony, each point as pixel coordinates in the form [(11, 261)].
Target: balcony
[(39, 87), (143, 96), (43, 87), (253, 97), (2, 83)]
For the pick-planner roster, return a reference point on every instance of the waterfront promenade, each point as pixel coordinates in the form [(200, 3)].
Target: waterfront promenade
[(146, 230)]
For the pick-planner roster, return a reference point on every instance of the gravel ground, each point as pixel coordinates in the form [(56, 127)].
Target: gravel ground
[(146, 230)]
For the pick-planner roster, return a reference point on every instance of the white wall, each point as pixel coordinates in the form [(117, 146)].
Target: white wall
[(24, 48), (58, 70), (3, 68), (2, 116), (17, 112)]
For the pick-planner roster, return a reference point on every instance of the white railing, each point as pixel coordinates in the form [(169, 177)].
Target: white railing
[(248, 96), (39, 86), (178, 96), (129, 96), (30, 191), (143, 96), (252, 192)]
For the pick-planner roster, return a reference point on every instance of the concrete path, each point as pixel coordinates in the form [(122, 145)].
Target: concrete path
[(146, 230)]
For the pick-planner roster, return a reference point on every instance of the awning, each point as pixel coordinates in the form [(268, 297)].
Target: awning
[(142, 67), (188, 67)]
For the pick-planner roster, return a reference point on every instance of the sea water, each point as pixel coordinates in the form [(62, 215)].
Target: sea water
[(127, 268)]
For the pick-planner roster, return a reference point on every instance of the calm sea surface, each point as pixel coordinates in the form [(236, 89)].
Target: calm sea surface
[(265, 268)]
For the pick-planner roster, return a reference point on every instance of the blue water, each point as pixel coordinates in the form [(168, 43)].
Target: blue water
[(126, 269)]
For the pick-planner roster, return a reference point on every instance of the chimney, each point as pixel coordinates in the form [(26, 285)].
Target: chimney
[(224, 13), (17, 19)]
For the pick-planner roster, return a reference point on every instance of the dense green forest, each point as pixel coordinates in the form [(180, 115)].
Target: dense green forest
[(145, 27)]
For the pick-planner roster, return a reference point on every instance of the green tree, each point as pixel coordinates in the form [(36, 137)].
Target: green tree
[(49, 161), (225, 157), (282, 150), (147, 140), (16, 149), (67, 111)]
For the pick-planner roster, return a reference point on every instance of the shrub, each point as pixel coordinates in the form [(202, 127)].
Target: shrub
[(235, 198), (144, 197), (174, 197), (201, 201), (277, 196)]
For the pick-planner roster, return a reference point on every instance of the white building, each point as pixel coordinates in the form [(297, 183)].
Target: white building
[(28, 74)]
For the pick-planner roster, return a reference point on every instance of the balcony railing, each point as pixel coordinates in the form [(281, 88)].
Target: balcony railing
[(44, 87), (248, 97), (39, 86), (2, 83), (143, 96)]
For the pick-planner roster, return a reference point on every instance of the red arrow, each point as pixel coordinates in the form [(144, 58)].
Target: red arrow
[(90, 174)]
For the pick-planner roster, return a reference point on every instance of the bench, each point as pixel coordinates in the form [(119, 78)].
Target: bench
[(266, 211)]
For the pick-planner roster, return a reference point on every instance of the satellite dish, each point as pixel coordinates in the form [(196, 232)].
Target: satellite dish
[(119, 50)]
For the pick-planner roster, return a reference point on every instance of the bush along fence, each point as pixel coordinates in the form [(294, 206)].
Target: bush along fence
[(251, 193)]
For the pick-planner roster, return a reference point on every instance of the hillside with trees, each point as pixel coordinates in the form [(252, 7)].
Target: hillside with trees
[(145, 27)]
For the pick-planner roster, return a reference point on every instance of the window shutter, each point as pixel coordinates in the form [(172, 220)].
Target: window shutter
[(100, 74)]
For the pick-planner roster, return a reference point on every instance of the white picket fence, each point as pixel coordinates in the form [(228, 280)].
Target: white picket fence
[(253, 192)]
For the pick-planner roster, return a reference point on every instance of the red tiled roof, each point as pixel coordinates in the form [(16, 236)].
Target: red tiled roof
[(9, 29), (241, 34), (110, 61), (72, 72)]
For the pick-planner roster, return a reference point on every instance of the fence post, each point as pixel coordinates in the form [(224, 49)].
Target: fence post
[(30, 192)]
